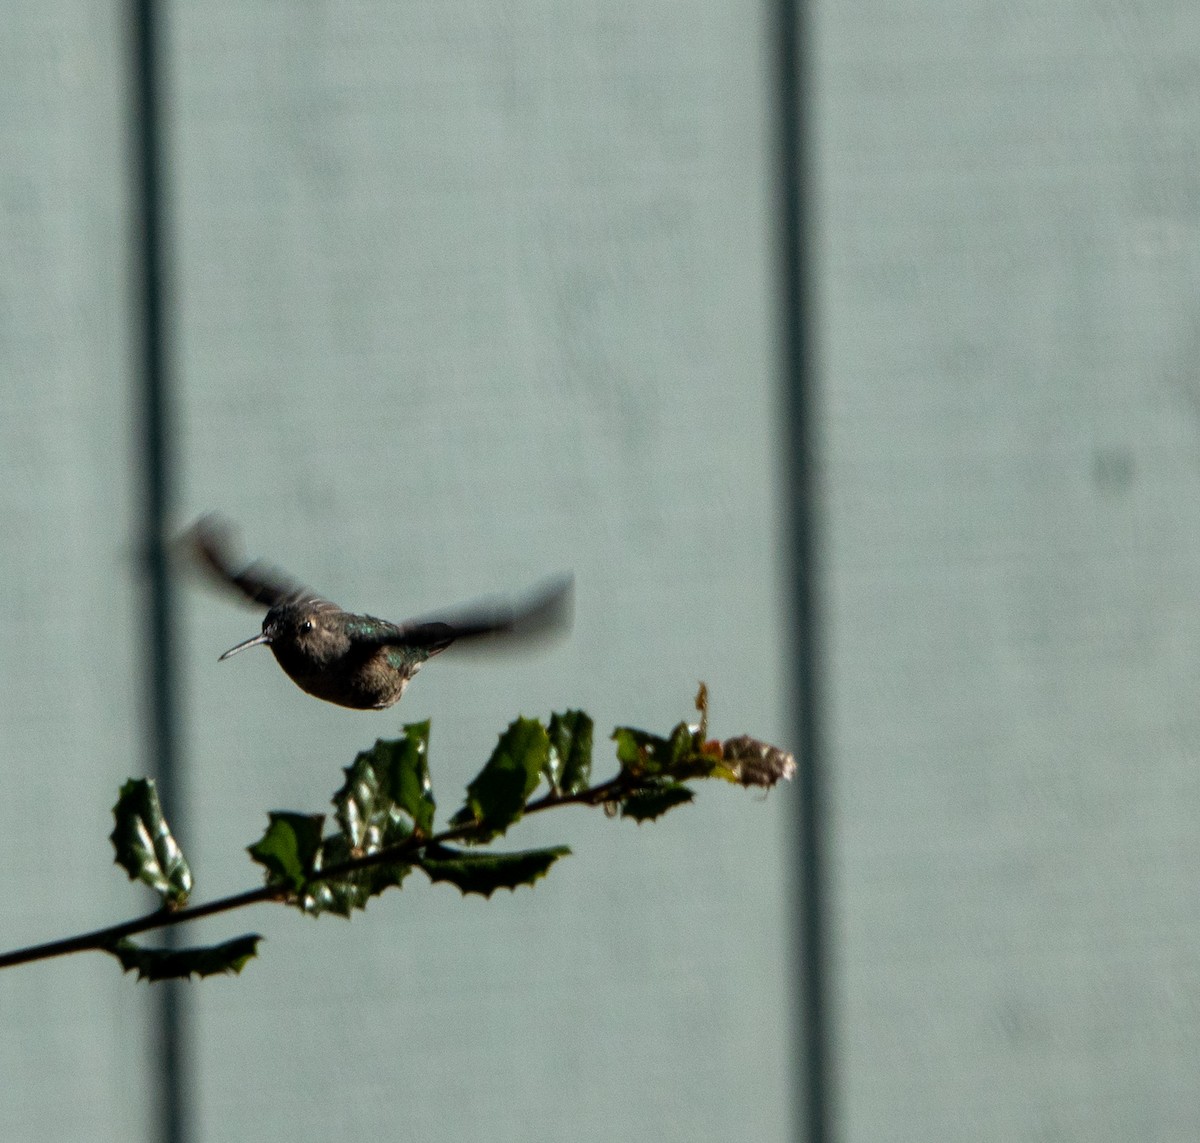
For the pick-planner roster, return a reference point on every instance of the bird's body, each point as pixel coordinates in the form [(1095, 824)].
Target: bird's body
[(341, 657), (354, 660)]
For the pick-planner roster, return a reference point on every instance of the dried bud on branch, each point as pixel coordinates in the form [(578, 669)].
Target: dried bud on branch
[(756, 763)]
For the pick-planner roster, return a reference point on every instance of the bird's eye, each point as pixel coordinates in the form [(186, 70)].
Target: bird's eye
[(306, 626)]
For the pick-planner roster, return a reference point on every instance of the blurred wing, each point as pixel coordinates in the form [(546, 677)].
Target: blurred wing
[(211, 544), (545, 612)]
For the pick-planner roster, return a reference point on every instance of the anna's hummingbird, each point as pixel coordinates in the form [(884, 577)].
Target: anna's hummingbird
[(357, 660)]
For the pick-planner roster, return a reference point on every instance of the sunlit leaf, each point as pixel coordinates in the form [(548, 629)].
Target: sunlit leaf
[(638, 748), (346, 892), (682, 754), (363, 807), (144, 845), (289, 847), (569, 762), (641, 752), (497, 795), (408, 775)]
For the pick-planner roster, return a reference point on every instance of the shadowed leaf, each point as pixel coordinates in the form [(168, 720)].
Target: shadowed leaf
[(654, 803), (484, 873), (180, 964), (144, 844)]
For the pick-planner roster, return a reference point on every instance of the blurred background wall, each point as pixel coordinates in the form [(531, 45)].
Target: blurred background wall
[(458, 296), (1010, 245), (463, 294)]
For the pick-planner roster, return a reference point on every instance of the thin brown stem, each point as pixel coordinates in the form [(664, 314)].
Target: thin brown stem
[(104, 939), (159, 919)]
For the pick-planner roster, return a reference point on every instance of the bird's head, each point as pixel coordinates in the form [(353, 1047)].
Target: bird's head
[(308, 630)]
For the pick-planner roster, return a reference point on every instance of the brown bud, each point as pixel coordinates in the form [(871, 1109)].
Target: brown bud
[(756, 763)]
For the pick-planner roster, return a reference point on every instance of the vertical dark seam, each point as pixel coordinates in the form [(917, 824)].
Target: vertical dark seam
[(156, 460), (797, 322)]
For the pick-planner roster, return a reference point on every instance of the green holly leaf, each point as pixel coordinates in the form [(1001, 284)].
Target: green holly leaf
[(385, 785), (681, 755), (289, 848), (363, 807), (635, 746), (385, 799), (681, 746), (181, 964), (408, 775), (346, 892), (144, 845), (484, 873), (641, 752), (569, 763), (653, 803), (497, 795)]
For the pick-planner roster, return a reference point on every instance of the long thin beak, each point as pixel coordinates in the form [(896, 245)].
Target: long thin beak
[(261, 637)]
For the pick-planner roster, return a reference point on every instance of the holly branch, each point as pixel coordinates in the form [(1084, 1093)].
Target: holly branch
[(383, 828)]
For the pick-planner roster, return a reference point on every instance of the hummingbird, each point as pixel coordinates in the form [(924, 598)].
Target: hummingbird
[(354, 660)]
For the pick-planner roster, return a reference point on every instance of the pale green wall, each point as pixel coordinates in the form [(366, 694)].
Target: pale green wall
[(74, 1034), (1011, 255), (465, 295), (470, 293)]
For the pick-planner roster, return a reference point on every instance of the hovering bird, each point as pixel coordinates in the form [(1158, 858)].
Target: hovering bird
[(354, 660)]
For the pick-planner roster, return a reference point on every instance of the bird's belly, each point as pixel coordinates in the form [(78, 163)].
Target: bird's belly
[(358, 690)]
